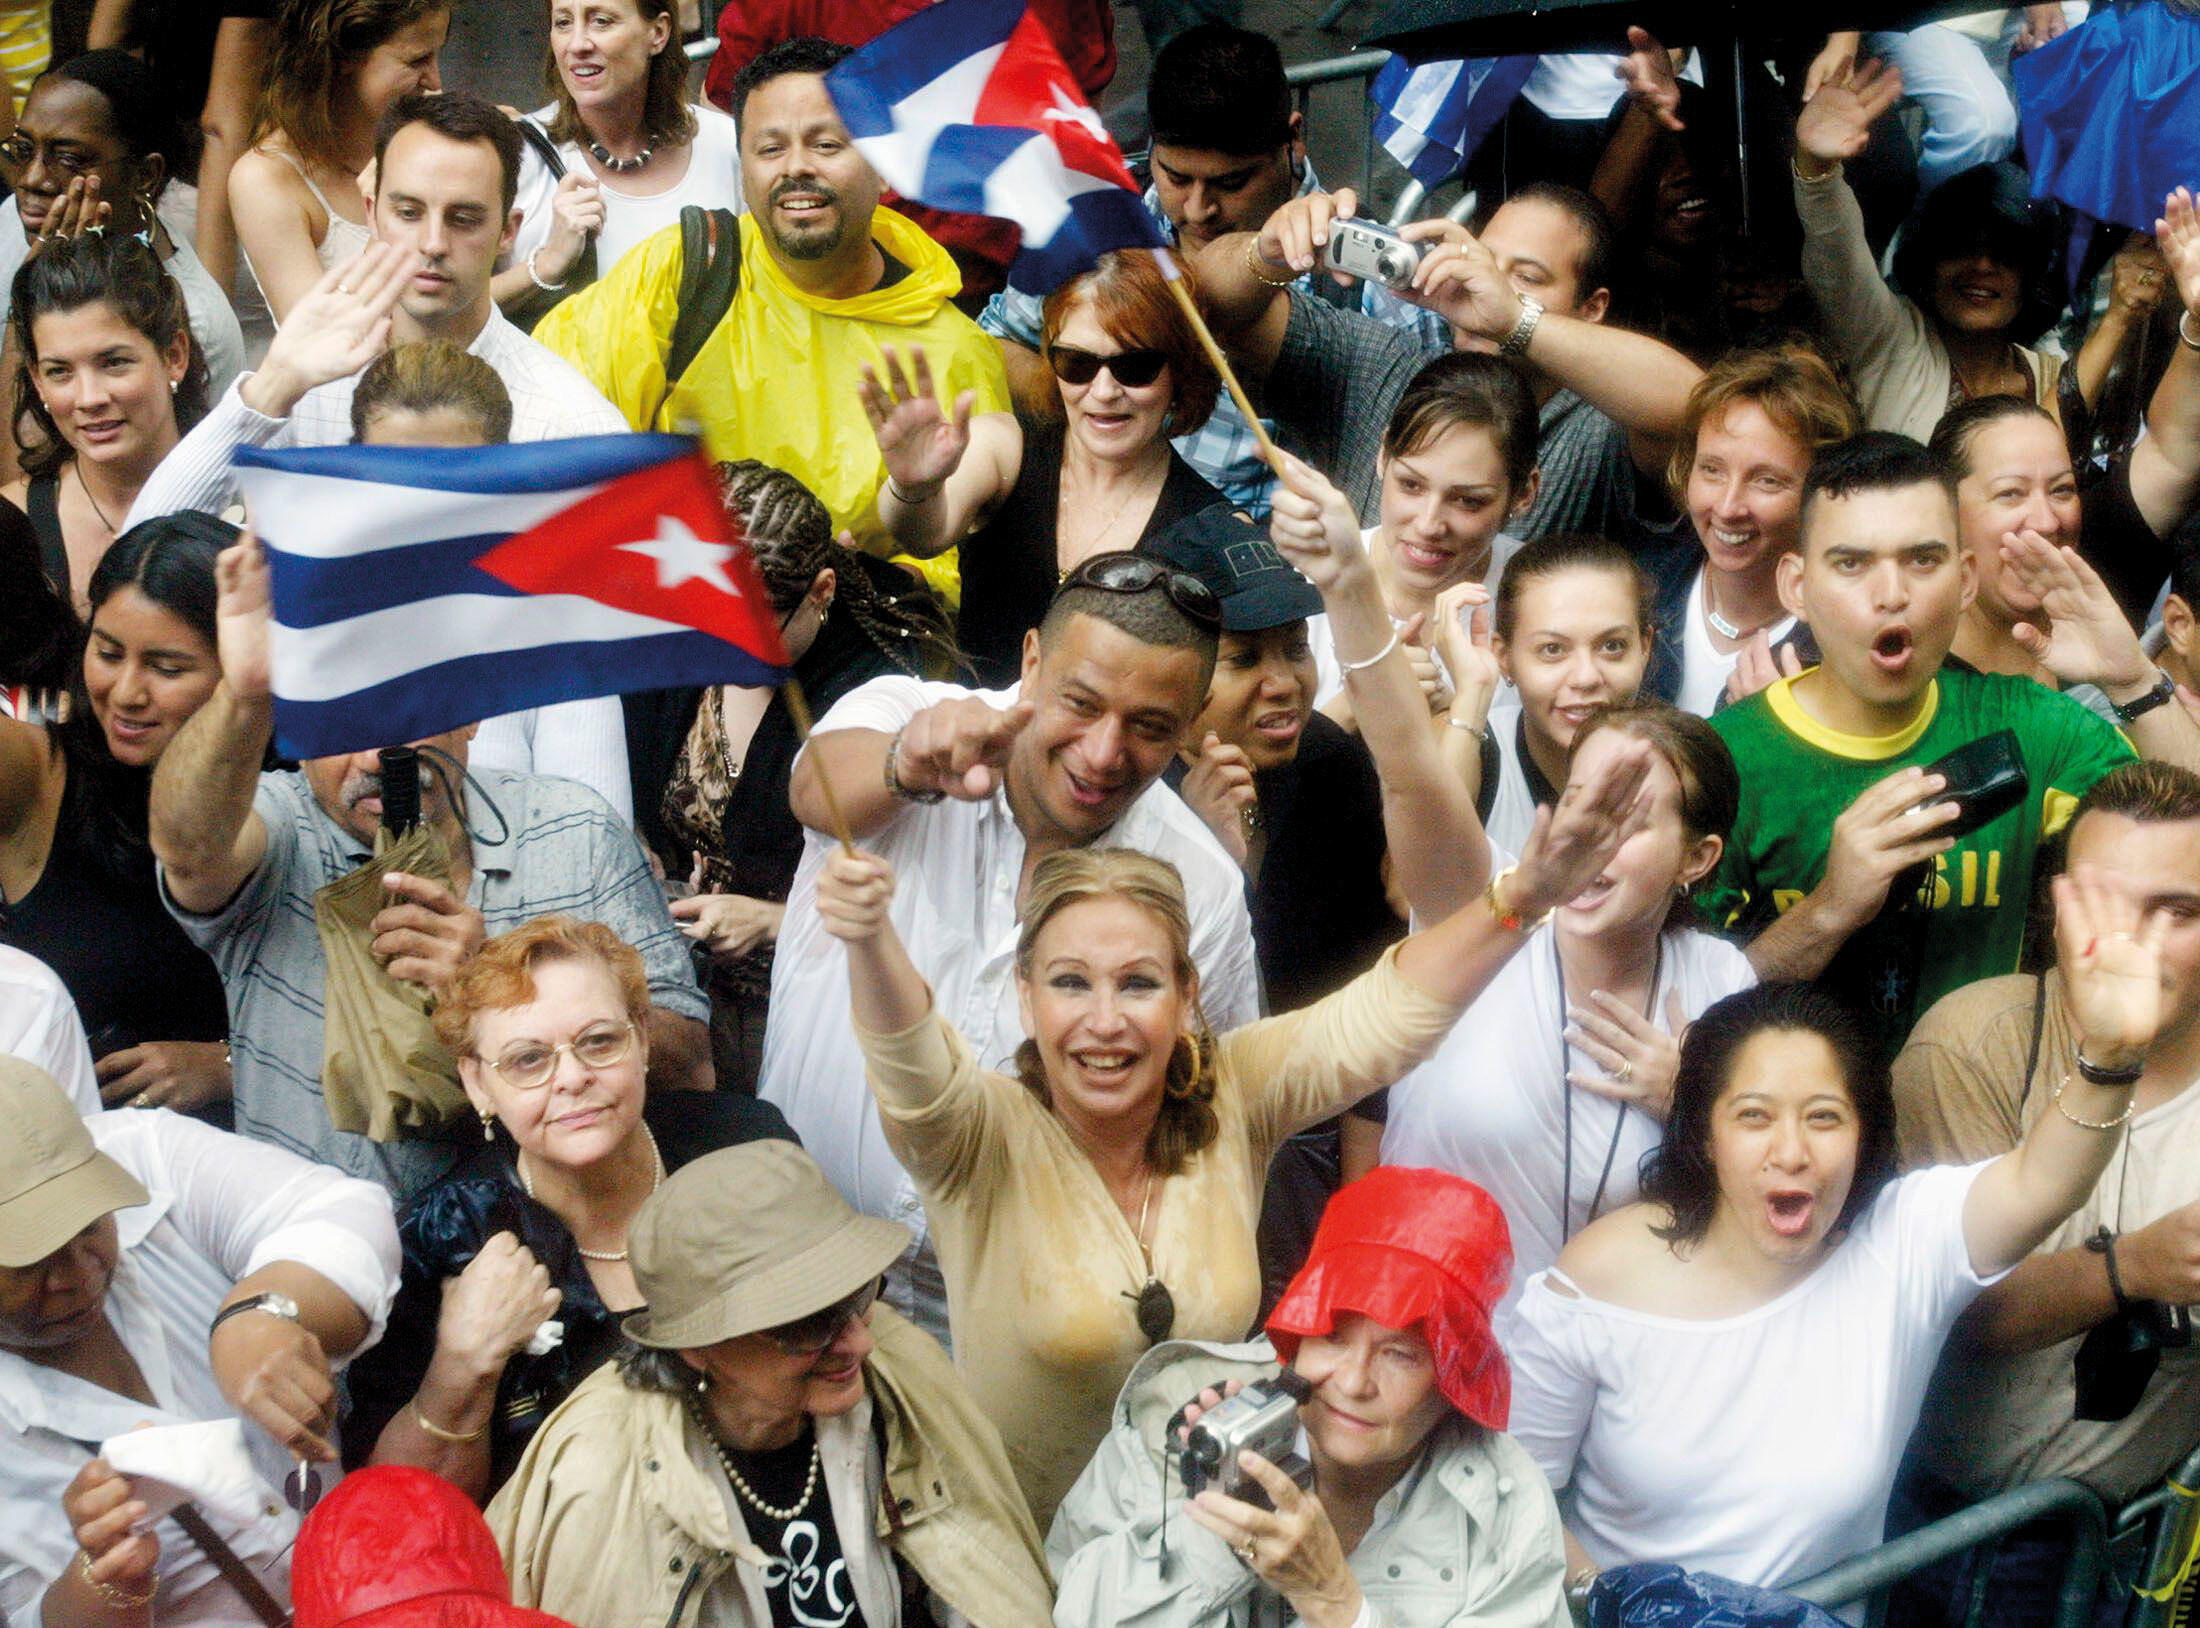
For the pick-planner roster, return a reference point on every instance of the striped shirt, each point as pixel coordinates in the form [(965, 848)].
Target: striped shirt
[(563, 850)]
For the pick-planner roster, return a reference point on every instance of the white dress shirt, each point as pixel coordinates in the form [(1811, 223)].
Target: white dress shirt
[(38, 1023), (957, 866), (551, 400), (221, 1209)]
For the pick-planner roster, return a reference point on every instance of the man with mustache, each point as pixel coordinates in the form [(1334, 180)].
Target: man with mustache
[(825, 277), (243, 855)]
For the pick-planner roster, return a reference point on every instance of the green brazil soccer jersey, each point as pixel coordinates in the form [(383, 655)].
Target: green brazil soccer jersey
[(1798, 776)]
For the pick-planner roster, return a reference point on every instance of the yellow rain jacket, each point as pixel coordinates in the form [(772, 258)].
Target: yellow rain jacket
[(777, 380)]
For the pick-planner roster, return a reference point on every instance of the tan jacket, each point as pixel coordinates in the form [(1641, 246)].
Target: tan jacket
[(614, 1517)]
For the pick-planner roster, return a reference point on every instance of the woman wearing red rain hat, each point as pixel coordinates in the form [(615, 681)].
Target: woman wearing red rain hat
[(395, 1547), (1420, 1510)]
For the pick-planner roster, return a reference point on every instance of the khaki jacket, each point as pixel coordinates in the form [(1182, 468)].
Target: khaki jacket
[(1468, 1538), (614, 1517)]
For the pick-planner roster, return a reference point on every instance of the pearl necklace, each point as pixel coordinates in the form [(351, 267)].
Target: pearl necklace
[(656, 1180), (620, 166), (747, 1492)]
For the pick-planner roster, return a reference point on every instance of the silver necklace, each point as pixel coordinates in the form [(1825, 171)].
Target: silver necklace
[(747, 1492), (656, 1180), (1719, 624)]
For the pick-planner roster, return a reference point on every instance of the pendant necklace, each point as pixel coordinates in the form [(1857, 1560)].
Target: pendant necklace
[(1156, 1307), (1719, 624), (656, 1180)]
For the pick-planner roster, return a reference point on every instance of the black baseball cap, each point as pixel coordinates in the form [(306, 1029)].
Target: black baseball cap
[(1257, 586)]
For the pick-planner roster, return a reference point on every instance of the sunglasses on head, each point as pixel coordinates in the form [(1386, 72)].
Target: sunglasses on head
[(1130, 368), (1135, 573)]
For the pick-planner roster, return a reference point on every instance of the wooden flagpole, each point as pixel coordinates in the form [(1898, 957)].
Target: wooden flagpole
[(798, 707), (1175, 279)]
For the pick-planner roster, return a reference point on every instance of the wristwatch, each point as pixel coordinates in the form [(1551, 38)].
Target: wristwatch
[(2165, 690), (907, 794), (276, 1305), (1516, 342)]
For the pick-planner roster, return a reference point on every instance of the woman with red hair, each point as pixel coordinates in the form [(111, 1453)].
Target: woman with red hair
[(1029, 507), (1420, 1510)]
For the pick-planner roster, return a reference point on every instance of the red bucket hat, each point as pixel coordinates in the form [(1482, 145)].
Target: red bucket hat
[(1412, 1249), (394, 1547)]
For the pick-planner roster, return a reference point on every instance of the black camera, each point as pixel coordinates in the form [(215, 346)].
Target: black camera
[(400, 789), (1261, 1418), (2117, 1360)]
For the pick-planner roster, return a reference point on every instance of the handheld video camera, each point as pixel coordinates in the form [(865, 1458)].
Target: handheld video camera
[(400, 789), (2117, 1359), (1261, 1418), (1361, 248)]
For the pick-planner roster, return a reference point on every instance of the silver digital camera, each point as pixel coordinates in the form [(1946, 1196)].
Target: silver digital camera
[(1261, 1418), (1376, 254)]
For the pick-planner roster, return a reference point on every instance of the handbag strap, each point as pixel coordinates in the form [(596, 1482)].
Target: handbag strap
[(235, 1572)]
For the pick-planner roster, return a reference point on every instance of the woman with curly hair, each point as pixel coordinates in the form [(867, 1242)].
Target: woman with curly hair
[(109, 379), (337, 65), (1105, 1201)]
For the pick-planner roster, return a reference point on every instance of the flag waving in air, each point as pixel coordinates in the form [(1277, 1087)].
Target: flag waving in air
[(420, 588), (967, 106)]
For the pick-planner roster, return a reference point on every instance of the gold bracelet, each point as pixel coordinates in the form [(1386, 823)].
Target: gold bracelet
[(2091, 1124), (1259, 267), (454, 1437), (1508, 918), (107, 1591)]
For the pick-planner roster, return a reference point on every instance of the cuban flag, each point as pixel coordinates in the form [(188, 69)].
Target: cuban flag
[(420, 588), (1431, 116), (967, 106)]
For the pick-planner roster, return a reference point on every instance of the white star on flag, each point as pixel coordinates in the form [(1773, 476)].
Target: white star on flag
[(682, 556), (1068, 109)]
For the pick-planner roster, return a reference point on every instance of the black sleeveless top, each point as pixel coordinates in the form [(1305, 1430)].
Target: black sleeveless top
[(133, 974), (1008, 564)]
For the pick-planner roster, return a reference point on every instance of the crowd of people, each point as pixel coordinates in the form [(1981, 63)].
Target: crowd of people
[(1594, 923)]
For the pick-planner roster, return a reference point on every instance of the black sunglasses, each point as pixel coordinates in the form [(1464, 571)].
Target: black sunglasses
[(1132, 369), (1135, 574)]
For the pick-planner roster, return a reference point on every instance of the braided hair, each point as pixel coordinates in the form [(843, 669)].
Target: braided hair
[(790, 534)]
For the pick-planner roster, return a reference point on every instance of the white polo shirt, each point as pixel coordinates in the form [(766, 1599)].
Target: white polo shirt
[(957, 866)]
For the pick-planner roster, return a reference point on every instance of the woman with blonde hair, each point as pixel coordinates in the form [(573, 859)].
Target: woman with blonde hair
[(550, 1026), (336, 65), (1106, 1200)]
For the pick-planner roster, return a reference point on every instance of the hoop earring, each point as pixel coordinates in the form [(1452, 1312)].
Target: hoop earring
[(1182, 1076)]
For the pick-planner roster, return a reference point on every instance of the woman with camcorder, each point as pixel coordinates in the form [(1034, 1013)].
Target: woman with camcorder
[(1403, 1397)]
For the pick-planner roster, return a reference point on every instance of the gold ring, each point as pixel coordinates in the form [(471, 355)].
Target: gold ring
[(1245, 1553)]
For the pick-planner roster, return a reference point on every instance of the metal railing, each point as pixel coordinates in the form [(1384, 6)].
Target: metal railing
[(1981, 1527), (2166, 1586)]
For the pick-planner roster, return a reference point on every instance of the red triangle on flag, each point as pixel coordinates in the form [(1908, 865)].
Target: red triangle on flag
[(1030, 85), (658, 543)]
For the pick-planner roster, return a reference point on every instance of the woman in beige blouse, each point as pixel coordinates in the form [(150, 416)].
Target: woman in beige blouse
[(1106, 1200)]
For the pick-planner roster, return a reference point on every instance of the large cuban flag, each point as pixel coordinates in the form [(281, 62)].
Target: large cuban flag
[(967, 106), (420, 588)]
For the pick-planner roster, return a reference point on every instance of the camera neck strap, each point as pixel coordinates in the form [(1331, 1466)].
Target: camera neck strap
[(1566, 1091)]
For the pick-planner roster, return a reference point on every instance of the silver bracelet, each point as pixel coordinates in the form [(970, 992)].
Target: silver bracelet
[(2184, 335), (1362, 666), (1452, 720), (908, 502), (535, 276)]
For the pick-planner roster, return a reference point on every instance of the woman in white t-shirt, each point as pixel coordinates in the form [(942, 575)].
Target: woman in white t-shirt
[(633, 149), (1457, 462), (1724, 1375), (1754, 423), (1552, 1087)]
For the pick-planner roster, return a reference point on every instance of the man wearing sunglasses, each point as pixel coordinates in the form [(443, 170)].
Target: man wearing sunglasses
[(963, 792), (767, 1399)]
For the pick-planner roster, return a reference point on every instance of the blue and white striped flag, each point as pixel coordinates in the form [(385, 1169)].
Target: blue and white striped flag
[(420, 588), (1430, 117)]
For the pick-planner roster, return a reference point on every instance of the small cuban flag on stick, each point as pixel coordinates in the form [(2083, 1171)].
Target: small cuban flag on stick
[(967, 105), (417, 589)]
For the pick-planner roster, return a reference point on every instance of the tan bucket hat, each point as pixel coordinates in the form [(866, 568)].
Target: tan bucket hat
[(745, 1239), (53, 1182)]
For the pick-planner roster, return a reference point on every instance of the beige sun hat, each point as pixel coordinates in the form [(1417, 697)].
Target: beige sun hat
[(53, 1181), (745, 1239)]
